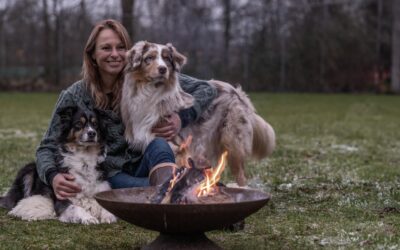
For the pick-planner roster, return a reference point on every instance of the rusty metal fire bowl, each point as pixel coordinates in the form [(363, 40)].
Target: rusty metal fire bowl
[(177, 222)]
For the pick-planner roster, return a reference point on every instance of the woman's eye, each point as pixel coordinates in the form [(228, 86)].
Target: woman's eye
[(121, 48), (106, 48)]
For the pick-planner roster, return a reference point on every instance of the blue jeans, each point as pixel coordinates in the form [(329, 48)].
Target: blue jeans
[(158, 151)]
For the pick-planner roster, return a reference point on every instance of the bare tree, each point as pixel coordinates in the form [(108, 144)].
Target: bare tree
[(128, 17), (3, 13), (379, 34), (227, 29), (396, 47), (47, 31), (283, 30), (58, 41), (276, 45), (322, 44)]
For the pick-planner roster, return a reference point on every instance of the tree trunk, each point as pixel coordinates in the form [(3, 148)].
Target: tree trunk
[(2, 40), (57, 41), (227, 28), (128, 16), (47, 43), (379, 31), (396, 47), (322, 47), (282, 44)]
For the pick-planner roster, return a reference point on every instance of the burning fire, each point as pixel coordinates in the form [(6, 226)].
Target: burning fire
[(212, 176), (189, 183)]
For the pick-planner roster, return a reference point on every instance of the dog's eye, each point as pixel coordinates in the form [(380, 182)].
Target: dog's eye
[(167, 58), (94, 124), (149, 59), (78, 125)]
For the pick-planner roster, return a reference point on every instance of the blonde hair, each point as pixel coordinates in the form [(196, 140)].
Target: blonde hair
[(90, 72)]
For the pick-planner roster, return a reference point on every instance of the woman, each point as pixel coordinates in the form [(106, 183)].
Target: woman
[(100, 89)]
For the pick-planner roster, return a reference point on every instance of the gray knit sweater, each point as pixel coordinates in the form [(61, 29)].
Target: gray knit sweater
[(119, 155)]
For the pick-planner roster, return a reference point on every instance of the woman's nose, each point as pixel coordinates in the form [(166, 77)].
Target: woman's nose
[(114, 52)]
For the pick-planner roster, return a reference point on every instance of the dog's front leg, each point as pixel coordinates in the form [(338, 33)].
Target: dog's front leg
[(103, 215), (76, 214), (107, 217)]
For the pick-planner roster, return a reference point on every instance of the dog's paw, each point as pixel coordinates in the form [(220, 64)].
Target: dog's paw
[(89, 220), (75, 214), (107, 217)]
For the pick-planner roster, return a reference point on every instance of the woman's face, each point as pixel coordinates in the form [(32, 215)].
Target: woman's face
[(109, 53)]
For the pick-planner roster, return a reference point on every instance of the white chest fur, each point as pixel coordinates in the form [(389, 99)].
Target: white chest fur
[(82, 163), (142, 107)]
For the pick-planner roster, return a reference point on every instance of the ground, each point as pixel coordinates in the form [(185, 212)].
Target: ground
[(334, 177)]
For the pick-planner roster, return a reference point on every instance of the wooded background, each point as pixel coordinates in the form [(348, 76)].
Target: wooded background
[(272, 45)]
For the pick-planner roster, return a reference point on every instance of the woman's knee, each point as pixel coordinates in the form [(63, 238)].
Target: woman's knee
[(160, 145), (159, 148), (124, 180)]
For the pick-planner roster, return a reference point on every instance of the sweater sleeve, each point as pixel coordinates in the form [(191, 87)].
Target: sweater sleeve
[(46, 153), (203, 94), (119, 156)]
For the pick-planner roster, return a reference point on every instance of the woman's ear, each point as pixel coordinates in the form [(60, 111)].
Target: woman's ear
[(134, 56), (178, 60)]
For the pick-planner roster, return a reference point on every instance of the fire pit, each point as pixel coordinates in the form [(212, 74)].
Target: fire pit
[(181, 226)]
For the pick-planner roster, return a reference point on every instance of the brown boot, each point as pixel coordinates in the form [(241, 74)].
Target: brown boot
[(161, 173)]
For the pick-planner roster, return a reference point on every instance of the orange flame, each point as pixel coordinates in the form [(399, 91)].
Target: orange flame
[(173, 181), (212, 176), (183, 154)]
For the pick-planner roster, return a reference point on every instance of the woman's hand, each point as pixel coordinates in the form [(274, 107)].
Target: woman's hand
[(64, 186), (169, 127)]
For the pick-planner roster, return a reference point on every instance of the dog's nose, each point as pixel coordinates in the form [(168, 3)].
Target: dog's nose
[(162, 70), (91, 134)]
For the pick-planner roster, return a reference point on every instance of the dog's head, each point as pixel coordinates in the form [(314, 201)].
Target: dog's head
[(154, 63), (80, 127)]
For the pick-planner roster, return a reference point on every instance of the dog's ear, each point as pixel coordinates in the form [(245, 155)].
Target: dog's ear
[(178, 60), (135, 55), (66, 115), (101, 117)]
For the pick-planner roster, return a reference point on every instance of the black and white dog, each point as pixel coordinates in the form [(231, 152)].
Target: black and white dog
[(80, 153)]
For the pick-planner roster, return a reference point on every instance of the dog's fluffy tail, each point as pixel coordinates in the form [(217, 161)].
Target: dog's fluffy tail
[(241, 121), (20, 188), (36, 207), (9, 200), (263, 138)]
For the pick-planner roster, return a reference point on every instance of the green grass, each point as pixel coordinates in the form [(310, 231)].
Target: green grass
[(334, 177)]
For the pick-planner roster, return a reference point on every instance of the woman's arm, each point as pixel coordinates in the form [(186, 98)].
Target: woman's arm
[(47, 150), (203, 94)]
